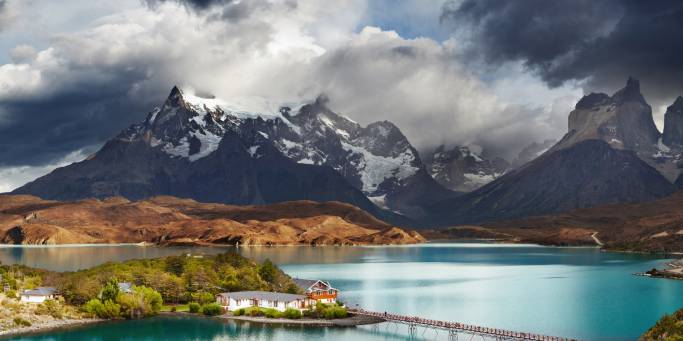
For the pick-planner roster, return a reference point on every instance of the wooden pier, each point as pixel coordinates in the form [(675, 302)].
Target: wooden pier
[(456, 328)]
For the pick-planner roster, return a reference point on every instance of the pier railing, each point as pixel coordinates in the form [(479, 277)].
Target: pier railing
[(454, 328)]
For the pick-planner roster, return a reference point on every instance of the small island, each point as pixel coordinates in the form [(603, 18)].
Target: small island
[(225, 285)]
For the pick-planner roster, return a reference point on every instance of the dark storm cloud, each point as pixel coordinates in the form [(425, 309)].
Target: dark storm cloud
[(197, 4), (229, 10), (42, 131), (602, 41)]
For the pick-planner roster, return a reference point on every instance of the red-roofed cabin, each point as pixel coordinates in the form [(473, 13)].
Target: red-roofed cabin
[(318, 290)]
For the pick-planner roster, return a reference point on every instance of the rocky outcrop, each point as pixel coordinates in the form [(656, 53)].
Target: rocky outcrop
[(673, 124), (623, 120), (172, 221), (462, 170), (586, 174)]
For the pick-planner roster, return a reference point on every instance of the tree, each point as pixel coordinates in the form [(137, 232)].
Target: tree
[(141, 302), (203, 297), (110, 291), (176, 264), (268, 271)]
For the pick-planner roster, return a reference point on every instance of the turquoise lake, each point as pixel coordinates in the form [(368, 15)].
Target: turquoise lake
[(572, 292)]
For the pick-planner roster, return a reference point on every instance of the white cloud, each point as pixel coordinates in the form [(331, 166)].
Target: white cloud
[(14, 177), (290, 53)]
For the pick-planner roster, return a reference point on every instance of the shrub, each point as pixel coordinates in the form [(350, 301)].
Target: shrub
[(110, 310), (194, 307), (335, 312), (292, 313), (92, 307), (174, 309), (238, 312), (272, 313), (11, 294), (106, 310), (21, 322), (50, 307), (212, 309), (253, 311)]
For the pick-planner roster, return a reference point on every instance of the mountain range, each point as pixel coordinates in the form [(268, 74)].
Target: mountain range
[(460, 169), (253, 152), (612, 153)]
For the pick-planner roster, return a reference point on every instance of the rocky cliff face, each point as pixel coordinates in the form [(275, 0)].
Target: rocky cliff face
[(623, 120), (673, 124), (459, 169), (586, 174), (251, 152)]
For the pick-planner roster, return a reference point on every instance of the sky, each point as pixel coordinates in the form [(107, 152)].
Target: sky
[(497, 75)]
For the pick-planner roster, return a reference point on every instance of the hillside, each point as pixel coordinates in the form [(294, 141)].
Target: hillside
[(655, 226), (168, 220), (587, 174)]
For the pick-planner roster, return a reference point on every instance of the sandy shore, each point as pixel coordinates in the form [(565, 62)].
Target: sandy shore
[(52, 325), (346, 322)]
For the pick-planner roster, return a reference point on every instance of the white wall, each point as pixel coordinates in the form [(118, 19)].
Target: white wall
[(240, 304), (34, 299)]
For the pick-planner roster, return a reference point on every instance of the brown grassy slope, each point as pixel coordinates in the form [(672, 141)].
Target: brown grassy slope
[(167, 220), (651, 226)]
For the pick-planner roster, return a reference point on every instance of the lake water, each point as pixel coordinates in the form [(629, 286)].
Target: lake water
[(572, 292)]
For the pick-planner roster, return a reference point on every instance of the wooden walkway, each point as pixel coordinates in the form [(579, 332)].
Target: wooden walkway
[(455, 328)]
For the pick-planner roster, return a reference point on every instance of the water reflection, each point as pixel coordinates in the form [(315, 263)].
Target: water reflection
[(574, 292)]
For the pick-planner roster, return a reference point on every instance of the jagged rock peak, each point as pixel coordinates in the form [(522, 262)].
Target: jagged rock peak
[(175, 97), (631, 92), (673, 124), (677, 106)]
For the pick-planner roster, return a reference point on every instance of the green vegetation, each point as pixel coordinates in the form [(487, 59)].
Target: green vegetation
[(258, 311), (668, 328), (327, 311), (194, 307), (21, 322), (176, 308), (140, 302), (52, 308), (291, 313), (212, 309), (179, 279), (185, 283)]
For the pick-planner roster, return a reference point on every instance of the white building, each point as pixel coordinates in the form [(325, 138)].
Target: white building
[(245, 299), (39, 295), (125, 287)]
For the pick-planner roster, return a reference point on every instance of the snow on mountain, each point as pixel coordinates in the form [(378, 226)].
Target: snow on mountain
[(377, 159), (462, 170)]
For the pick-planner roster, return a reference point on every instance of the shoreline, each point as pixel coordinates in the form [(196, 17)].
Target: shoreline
[(351, 321), (50, 326)]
